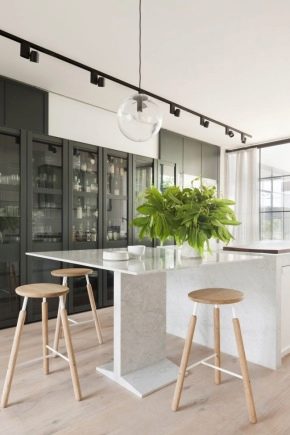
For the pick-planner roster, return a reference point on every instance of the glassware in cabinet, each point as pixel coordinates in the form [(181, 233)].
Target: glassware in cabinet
[(47, 198), (85, 211), (116, 199)]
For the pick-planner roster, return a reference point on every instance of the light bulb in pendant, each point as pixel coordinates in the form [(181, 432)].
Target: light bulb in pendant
[(139, 118)]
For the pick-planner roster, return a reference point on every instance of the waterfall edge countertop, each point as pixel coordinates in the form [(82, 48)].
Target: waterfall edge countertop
[(150, 300), (154, 260)]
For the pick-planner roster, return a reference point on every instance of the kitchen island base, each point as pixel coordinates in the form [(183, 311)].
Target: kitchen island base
[(140, 363), (144, 381)]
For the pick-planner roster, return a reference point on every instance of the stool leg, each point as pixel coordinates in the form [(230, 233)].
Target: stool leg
[(244, 370), (57, 333), (44, 310), (217, 344), (70, 351), (94, 310), (184, 361), (13, 355)]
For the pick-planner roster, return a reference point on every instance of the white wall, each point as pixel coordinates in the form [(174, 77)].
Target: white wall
[(82, 122)]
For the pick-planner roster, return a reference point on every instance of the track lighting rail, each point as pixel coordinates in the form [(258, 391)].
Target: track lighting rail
[(97, 77)]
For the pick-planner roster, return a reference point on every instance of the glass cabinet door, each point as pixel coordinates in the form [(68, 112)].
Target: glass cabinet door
[(143, 170), (166, 178), (116, 201), (9, 228), (47, 201), (166, 175), (85, 211)]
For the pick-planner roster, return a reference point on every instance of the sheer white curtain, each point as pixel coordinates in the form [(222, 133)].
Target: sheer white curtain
[(242, 185)]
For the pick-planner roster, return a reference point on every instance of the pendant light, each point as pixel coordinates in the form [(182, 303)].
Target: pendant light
[(139, 117)]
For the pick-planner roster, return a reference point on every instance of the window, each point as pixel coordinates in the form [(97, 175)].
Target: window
[(275, 192)]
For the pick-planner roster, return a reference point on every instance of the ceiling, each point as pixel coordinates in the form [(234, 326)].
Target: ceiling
[(228, 60)]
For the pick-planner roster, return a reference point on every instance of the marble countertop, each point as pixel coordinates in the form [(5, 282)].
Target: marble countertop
[(261, 246), (154, 260)]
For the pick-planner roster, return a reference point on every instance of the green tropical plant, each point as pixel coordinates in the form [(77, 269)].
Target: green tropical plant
[(189, 215)]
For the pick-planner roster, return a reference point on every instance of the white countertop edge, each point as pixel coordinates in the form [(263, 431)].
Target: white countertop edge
[(81, 263), (144, 272)]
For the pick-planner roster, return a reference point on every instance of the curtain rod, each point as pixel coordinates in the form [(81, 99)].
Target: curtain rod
[(262, 145)]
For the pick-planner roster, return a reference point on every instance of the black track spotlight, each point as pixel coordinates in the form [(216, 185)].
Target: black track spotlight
[(34, 56), (96, 80), (174, 111), (243, 138), (204, 122), (27, 53), (229, 132)]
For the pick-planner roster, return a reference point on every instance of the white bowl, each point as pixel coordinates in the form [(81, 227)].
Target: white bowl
[(137, 250)]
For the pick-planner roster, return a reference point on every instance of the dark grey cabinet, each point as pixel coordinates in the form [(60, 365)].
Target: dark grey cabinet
[(192, 158), (192, 166), (84, 223), (47, 209), (85, 192), (210, 163), (12, 212), (171, 148), (23, 106), (117, 197)]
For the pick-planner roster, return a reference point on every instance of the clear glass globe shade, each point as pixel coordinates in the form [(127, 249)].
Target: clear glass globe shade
[(139, 118)]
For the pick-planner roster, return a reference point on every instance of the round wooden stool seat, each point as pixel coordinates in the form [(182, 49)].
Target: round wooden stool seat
[(216, 296), (73, 272), (41, 290)]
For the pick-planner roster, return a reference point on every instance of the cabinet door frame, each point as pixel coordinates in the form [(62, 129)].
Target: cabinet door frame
[(145, 159), (51, 140), (20, 134), (159, 174), (87, 148), (85, 245), (116, 243)]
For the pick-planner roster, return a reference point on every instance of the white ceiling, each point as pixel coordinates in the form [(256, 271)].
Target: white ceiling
[(227, 59)]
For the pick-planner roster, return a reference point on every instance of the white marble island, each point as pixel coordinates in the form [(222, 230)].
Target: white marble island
[(150, 299)]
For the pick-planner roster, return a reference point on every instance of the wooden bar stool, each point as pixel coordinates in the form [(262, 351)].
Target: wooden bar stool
[(216, 297), (76, 272), (43, 291)]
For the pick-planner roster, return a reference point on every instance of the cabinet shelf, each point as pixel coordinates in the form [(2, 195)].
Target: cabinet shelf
[(90, 194), (85, 218), (85, 172), (47, 191), (121, 197), (9, 187)]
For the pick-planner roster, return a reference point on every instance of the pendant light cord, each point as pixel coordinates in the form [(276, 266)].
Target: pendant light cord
[(140, 42)]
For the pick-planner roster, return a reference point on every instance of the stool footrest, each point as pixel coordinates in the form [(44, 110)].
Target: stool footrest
[(205, 363), (200, 362), (76, 322), (57, 353)]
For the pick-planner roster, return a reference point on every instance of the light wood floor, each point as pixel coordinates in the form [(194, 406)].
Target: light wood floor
[(42, 404)]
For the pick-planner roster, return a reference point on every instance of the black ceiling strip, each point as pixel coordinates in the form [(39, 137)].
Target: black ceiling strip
[(114, 79)]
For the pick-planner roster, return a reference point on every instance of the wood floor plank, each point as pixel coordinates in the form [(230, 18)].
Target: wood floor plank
[(45, 405)]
